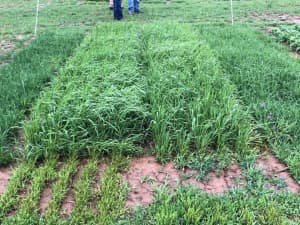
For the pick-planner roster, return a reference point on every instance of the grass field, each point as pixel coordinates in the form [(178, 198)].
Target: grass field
[(173, 116)]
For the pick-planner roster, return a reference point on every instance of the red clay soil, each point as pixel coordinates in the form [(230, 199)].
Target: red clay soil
[(45, 199), (271, 166), (99, 174), (68, 203), (5, 174), (144, 174), (97, 182), (277, 17)]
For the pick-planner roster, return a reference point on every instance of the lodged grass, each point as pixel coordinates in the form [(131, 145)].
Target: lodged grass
[(97, 102)]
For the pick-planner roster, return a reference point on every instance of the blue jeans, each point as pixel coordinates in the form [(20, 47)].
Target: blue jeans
[(118, 14), (133, 5)]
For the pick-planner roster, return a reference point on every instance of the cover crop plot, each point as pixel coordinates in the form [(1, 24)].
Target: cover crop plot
[(193, 108), (163, 85), (268, 82), (23, 79)]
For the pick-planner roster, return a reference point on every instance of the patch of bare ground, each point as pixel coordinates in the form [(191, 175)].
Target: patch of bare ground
[(68, 203), (5, 173), (6, 46), (145, 174), (45, 198), (97, 182), (272, 167), (275, 17), (47, 193)]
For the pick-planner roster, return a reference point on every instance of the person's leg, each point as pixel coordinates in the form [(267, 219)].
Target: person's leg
[(131, 6), (118, 14), (111, 4), (136, 6)]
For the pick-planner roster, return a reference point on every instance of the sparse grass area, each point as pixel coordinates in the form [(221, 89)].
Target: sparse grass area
[(28, 210), (10, 198), (190, 206)]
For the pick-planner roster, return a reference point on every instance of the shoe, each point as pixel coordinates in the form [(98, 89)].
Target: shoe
[(130, 13), (138, 11), (111, 7)]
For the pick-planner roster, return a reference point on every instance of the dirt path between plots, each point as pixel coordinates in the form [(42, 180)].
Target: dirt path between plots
[(276, 17), (5, 173), (145, 174), (272, 167)]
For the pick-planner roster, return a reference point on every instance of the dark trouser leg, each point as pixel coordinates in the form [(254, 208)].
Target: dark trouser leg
[(118, 14)]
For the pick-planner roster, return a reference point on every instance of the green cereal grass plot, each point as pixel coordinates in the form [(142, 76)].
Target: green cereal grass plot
[(193, 106), (23, 79), (267, 79), (97, 102)]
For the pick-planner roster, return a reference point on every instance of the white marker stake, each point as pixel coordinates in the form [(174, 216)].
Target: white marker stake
[(231, 12), (36, 17)]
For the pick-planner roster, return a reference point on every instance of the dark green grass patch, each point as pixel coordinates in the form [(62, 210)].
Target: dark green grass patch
[(23, 79), (289, 34), (267, 79)]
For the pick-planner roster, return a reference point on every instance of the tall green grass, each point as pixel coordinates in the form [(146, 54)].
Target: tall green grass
[(23, 79), (97, 102), (267, 79), (194, 109), (132, 84)]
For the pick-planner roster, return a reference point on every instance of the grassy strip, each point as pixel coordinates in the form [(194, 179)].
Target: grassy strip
[(82, 212), (189, 206), (9, 199), (289, 34), (23, 79), (59, 190), (193, 106), (28, 211), (112, 193), (267, 79), (96, 104)]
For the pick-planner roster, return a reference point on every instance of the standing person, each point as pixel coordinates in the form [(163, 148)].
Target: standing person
[(133, 6), (118, 13)]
